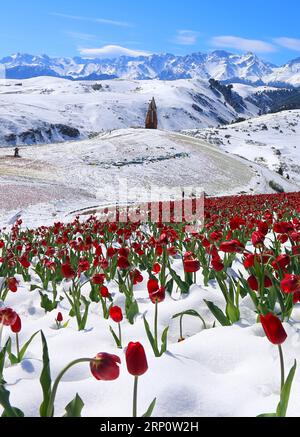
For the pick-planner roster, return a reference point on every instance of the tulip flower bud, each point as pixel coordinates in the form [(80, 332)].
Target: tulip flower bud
[(136, 359), (191, 265), (67, 271), (17, 326), (105, 367), (59, 317), (8, 316), (116, 314), (274, 329)]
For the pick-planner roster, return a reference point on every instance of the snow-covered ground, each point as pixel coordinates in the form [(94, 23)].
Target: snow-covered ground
[(49, 182), (41, 110), (216, 372), (271, 140)]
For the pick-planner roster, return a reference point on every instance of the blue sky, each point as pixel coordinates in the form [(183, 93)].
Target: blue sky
[(107, 28)]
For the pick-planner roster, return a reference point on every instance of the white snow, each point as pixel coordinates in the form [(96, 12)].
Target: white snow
[(55, 180), (38, 104), (218, 372), (271, 140)]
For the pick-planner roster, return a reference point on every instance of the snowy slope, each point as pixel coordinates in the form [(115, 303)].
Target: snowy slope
[(54, 180), (46, 110), (271, 140)]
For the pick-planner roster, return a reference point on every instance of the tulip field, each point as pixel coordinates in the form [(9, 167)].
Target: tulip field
[(102, 319)]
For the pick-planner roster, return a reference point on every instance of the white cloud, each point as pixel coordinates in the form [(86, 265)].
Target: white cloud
[(234, 42), (288, 43), (186, 37), (94, 20), (111, 51), (81, 36)]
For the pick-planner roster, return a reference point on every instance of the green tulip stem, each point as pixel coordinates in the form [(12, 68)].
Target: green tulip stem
[(1, 331), (18, 346), (135, 396), (155, 325), (120, 335), (281, 366), (50, 409)]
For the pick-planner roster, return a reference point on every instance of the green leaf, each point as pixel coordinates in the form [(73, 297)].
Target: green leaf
[(150, 337), (285, 393), (113, 268), (233, 313), (35, 287), (74, 408), (219, 315), (86, 313), (9, 411), (191, 313), (47, 304), (268, 415), (2, 359), (116, 338), (132, 310), (45, 378), (164, 341), (169, 286), (26, 345), (184, 286), (150, 410)]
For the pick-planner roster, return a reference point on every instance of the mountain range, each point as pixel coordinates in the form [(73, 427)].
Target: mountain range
[(220, 65)]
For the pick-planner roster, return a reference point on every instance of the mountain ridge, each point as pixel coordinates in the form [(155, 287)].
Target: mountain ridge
[(219, 65)]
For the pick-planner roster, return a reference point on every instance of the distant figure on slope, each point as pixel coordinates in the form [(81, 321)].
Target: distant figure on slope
[(152, 119), (16, 155)]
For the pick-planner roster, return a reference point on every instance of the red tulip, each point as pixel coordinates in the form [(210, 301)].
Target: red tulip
[(290, 284), (253, 283), (263, 227), (59, 318), (98, 279), (136, 359), (153, 286), (83, 266), (296, 297), (234, 246), (281, 262), (24, 262), (116, 314), (8, 316), (17, 326), (12, 284), (136, 277), (274, 329), (67, 271), (191, 265), (104, 292), (217, 265), (249, 261), (158, 296), (258, 238), (156, 268), (105, 367), (123, 263)]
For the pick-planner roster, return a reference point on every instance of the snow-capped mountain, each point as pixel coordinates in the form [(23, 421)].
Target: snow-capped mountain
[(219, 65)]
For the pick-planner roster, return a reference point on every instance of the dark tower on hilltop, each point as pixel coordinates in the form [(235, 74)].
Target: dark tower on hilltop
[(152, 119)]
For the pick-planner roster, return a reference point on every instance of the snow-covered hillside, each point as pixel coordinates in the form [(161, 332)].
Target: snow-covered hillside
[(47, 110), (54, 180), (271, 140)]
